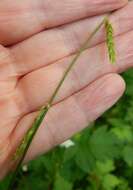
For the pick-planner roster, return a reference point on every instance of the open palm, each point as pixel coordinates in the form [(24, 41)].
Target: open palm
[(38, 40)]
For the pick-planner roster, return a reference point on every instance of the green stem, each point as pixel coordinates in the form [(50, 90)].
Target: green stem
[(24, 146)]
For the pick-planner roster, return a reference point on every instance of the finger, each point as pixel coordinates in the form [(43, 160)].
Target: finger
[(51, 45), (21, 19), (73, 114), (93, 64)]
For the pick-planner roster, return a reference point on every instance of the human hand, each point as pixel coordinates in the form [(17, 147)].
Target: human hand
[(30, 70)]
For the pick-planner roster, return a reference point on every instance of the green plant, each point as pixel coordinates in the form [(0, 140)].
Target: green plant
[(79, 166), (26, 141)]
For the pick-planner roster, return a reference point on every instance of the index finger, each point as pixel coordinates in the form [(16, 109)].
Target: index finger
[(22, 19)]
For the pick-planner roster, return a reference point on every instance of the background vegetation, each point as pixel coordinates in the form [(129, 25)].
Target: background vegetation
[(100, 158)]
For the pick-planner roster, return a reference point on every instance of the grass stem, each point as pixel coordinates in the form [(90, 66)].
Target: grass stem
[(26, 142)]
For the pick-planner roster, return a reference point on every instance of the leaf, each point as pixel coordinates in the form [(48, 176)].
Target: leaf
[(128, 76), (116, 122), (103, 168), (124, 133), (71, 172), (110, 182), (62, 184), (104, 144), (124, 185), (33, 183), (84, 158), (70, 153), (128, 155)]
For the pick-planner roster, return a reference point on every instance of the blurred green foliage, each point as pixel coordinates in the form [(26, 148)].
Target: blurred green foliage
[(100, 159)]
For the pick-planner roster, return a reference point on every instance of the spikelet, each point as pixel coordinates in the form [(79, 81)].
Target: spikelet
[(30, 133), (22, 146), (110, 41)]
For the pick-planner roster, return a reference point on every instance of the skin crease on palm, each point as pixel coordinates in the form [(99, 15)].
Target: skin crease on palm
[(38, 41)]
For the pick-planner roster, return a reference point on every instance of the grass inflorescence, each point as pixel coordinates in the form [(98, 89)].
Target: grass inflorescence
[(26, 141), (110, 41)]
